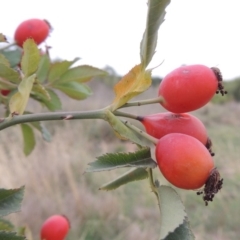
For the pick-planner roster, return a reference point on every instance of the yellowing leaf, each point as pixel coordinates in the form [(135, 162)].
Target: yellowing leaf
[(18, 101), (132, 84)]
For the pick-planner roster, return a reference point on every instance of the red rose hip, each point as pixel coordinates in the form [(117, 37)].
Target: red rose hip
[(36, 29), (183, 160), (55, 227), (161, 124), (188, 88)]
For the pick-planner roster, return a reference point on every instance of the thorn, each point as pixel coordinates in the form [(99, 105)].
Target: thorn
[(68, 117)]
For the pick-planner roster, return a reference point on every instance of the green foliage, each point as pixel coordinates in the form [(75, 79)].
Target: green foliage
[(74, 90), (13, 56), (10, 236), (28, 138), (173, 221), (41, 79), (121, 130), (9, 73), (6, 225), (110, 161), (30, 59), (10, 200), (155, 17)]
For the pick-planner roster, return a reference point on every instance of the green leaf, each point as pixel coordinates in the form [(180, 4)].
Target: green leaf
[(58, 69), (4, 60), (121, 130), (10, 200), (110, 161), (155, 17), (10, 236), (43, 68), (182, 232), (53, 104), (74, 90), (6, 225), (37, 87), (28, 138), (81, 74), (13, 56), (31, 57), (9, 74), (45, 133), (172, 210), (19, 100), (130, 176)]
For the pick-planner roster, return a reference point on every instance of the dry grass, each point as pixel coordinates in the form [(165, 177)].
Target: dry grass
[(55, 181)]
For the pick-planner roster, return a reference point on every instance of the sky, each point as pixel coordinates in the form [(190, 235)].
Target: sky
[(108, 32)]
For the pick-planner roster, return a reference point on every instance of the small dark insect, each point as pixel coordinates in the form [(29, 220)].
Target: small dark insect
[(212, 186), (209, 146), (218, 74)]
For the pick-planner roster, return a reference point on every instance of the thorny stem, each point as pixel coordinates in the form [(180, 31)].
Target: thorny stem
[(7, 122), (143, 102), (141, 132)]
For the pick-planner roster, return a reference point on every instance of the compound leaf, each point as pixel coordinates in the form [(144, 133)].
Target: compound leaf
[(10, 200), (130, 176), (155, 17), (110, 161)]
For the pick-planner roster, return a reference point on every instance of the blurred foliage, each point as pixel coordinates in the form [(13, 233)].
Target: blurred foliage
[(233, 89)]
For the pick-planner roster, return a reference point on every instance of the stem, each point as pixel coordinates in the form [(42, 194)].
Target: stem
[(152, 184), (143, 102), (141, 132), (127, 115), (8, 46), (7, 122)]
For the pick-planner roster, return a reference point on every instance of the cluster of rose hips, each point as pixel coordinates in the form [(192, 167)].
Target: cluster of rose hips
[(36, 29), (183, 151)]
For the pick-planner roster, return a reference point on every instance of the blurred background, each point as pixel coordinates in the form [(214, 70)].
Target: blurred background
[(107, 34)]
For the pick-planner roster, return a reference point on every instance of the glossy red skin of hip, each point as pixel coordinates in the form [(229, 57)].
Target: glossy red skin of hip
[(161, 124), (188, 88), (183, 161), (36, 29)]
